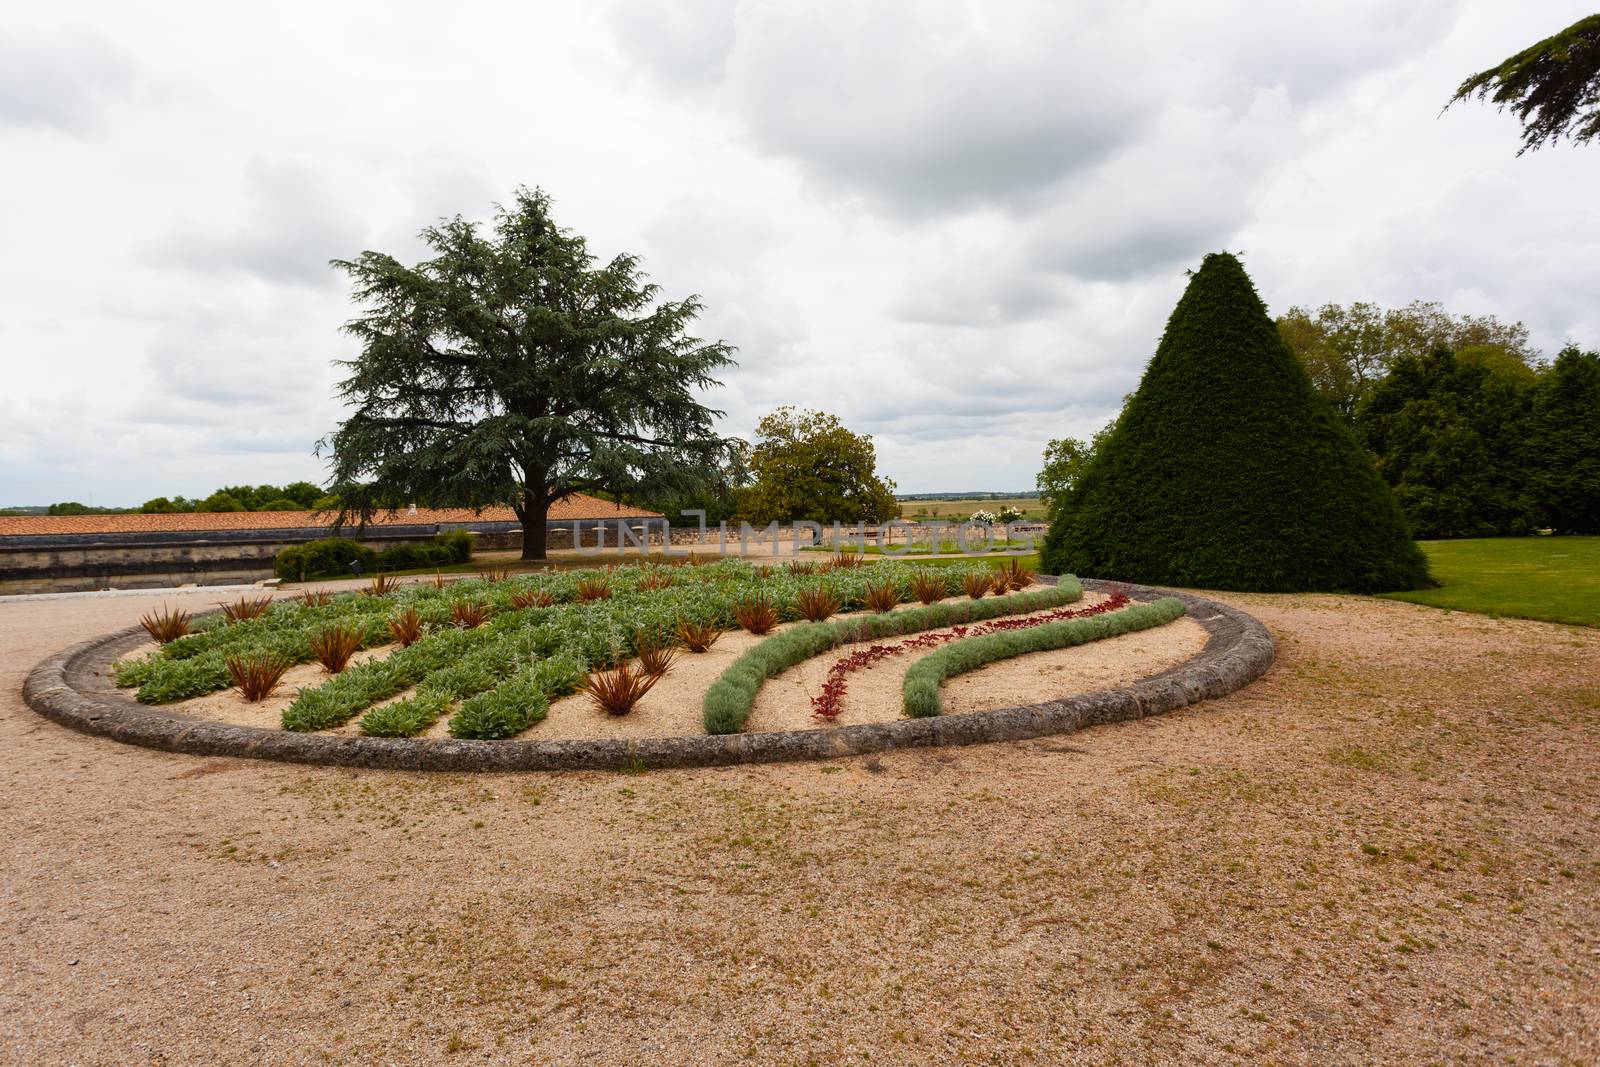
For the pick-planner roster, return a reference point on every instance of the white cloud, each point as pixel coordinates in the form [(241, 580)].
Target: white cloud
[(959, 226)]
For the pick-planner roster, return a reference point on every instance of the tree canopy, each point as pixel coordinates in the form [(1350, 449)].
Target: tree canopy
[(1447, 433), (1562, 444), (509, 369), (1552, 86), (1226, 470), (1348, 350), (808, 465)]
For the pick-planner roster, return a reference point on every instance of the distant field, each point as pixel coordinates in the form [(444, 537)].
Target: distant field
[(955, 509), (1556, 579)]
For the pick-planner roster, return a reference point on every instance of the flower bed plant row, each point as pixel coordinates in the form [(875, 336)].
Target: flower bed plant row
[(504, 672), (920, 694), (730, 698), (828, 703)]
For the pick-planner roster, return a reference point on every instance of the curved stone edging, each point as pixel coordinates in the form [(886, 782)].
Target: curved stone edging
[(64, 688)]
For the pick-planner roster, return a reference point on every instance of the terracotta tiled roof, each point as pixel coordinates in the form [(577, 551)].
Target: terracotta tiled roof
[(573, 507)]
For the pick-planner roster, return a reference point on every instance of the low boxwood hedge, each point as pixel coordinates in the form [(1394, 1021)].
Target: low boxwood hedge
[(729, 700), (920, 691), (331, 557)]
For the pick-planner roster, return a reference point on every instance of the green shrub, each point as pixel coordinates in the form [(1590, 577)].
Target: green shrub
[(920, 690), (185, 678), (502, 712), (1227, 470), (330, 557), (403, 718), (728, 701)]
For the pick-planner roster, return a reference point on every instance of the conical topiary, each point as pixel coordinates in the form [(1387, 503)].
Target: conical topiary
[(1228, 471)]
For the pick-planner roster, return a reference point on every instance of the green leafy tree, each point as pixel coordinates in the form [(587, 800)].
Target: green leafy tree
[(1348, 350), (221, 500), (808, 465), (1447, 434), (1228, 471), (159, 506), (283, 503), (304, 494), (1553, 86), (73, 507), (1065, 460), (509, 369), (1562, 444)]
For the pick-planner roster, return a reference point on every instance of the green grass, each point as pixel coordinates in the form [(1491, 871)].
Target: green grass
[(960, 509), (975, 544), (1554, 579)]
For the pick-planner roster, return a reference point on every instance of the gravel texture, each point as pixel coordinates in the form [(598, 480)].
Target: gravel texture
[(1386, 850)]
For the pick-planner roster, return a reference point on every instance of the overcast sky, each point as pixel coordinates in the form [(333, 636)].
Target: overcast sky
[(958, 226)]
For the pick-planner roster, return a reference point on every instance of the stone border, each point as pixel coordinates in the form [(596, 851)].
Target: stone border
[(71, 688)]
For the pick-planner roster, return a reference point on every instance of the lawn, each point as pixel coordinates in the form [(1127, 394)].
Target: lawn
[(959, 509), (1555, 579)]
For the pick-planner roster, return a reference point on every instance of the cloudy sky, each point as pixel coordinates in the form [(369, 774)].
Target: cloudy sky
[(958, 226)]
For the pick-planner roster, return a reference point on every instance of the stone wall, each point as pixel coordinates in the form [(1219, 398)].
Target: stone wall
[(69, 563)]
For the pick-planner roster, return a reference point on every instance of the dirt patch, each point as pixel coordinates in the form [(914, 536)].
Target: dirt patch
[(1385, 851)]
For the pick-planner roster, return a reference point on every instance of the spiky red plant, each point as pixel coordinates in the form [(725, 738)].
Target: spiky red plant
[(698, 636), (166, 625), (406, 628), (246, 608), (523, 599), (382, 584), (256, 676), (817, 604), (757, 614), (469, 614), (655, 656), (883, 596), (315, 598), (1017, 574), (591, 589), (657, 578), (975, 585), (616, 691), (334, 646), (928, 587)]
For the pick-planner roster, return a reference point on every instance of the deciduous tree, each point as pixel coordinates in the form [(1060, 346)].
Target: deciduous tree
[(807, 465)]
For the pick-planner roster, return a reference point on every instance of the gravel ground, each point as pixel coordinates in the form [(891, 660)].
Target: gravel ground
[(1387, 850)]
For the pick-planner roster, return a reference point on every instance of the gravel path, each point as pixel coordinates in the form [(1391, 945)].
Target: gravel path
[(1387, 850)]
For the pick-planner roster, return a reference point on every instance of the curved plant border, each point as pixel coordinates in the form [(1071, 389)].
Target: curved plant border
[(72, 687)]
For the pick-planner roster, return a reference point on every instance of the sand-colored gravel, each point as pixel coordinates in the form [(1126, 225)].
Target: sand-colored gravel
[(1385, 851)]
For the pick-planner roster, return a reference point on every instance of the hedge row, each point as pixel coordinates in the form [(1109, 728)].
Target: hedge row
[(331, 557), (920, 692), (730, 698)]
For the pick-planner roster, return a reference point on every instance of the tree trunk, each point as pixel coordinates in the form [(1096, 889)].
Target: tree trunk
[(535, 508)]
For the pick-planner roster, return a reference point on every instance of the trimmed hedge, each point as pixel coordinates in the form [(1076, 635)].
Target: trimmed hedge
[(730, 698), (920, 691), (1228, 471), (331, 557)]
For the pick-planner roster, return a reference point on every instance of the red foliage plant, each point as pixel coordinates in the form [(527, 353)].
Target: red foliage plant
[(246, 608), (166, 625), (406, 627), (616, 691), (334, 646), (826, 704), (256, 676)]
